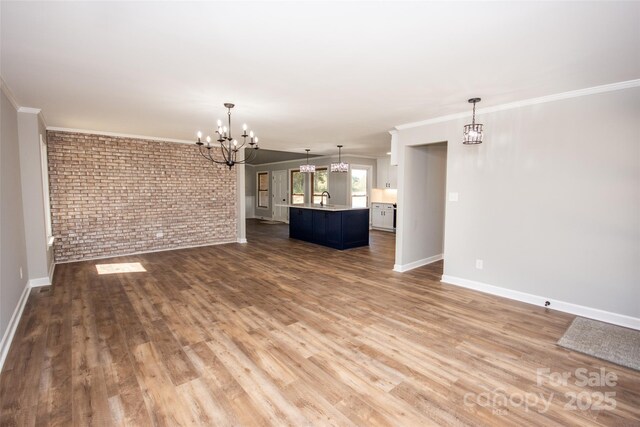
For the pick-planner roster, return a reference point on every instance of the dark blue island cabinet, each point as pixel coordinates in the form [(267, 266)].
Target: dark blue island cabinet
[(338, 229)]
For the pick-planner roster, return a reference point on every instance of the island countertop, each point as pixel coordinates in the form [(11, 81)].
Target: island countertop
[(329, 207)]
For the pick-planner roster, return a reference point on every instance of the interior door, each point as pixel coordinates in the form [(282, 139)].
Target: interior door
[(279, 194)]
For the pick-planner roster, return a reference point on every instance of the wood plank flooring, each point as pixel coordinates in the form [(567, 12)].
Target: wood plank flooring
[(281, 332)]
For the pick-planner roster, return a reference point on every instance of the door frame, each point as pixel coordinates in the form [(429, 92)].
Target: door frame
[(285, 172), (369, 169)]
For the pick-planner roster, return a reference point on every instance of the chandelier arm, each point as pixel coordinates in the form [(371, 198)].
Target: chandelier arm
[(225, 153), (246, 158), (209, 157), (203, 154), (252, 155), (244, 142)]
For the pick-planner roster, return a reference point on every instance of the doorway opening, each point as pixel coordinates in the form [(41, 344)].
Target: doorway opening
[(422, 202)]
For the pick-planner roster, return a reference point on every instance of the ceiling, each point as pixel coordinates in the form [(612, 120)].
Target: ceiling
[(303, 74)]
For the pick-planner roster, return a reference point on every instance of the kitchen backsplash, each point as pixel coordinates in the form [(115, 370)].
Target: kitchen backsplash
[(382, 195)]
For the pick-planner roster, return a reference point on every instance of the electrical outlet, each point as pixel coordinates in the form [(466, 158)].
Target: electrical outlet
[(21, 272), (453, 197), (159, 234), (479, 264)]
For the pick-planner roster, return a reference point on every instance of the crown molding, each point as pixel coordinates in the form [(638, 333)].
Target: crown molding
[(526, 102), (29, 110), (7, 92), (12, 99), (116, 134)]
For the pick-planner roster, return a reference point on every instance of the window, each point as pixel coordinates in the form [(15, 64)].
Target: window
[(319, 183), (44, 164), (263, 189), (297, 187), (358, 188)]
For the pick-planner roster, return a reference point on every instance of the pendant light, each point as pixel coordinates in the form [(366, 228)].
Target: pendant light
[(473, 132), (339, 167), (307, 168)]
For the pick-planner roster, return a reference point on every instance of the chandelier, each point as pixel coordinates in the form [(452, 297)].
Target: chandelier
[(473, 132), (228, 146), (307, 168), (339, 167)]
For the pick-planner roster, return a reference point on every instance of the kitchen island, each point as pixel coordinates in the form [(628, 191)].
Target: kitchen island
[(335, 226)]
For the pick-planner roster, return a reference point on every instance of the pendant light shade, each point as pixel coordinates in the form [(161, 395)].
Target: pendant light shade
[(340, 166), (307, 168), (473, 132)]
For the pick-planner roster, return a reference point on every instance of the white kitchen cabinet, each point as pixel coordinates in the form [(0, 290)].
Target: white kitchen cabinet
[(387, 175), (382, 216)]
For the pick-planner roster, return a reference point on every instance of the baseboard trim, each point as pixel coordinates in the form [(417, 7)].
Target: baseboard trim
[(5, 344), (566, 307), (242, 240), (415, 264), (40, 281)]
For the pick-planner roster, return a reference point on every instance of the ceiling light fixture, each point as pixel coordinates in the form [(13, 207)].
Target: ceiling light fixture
[(228, 146), (307, 168), (340, 166), (473, 132)]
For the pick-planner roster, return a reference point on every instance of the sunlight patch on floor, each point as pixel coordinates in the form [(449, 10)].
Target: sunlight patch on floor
[(123, 267)]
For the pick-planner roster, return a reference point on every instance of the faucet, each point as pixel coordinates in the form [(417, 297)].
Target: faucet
[(322, 197)]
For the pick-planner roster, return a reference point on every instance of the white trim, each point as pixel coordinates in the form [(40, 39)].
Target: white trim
[(257, 199), (242, 240), (370, 187), (8, 93), (39, 282), (52, 268), (5, 344), (122, 135), (46, 198), (532, 101), (241, 209), (148, 252), (29, 110), (567, 307), (36, 111), (415, 264)]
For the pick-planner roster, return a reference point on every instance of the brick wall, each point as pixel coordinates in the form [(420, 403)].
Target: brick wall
[(113, 195)]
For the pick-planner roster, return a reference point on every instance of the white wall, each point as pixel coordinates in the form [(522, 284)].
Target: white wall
[(550, 202), (424, 194), (13, 249)]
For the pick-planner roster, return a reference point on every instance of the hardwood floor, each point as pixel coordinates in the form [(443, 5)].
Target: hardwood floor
[(281, 332)]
